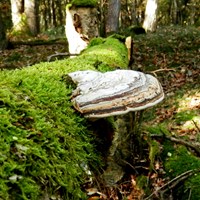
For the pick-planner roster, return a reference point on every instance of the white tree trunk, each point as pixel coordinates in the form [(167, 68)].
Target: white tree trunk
[(16, 7), (76, 43), (150, 20)]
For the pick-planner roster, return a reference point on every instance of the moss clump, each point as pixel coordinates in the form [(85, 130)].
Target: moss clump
[(180, 161), (85, 3), (96, 41), (44, 142), (110, 52)]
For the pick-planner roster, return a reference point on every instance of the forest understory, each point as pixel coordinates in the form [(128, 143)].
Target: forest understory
[(171, 130)]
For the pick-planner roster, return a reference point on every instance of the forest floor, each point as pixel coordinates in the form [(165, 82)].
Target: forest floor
[(172, 54)]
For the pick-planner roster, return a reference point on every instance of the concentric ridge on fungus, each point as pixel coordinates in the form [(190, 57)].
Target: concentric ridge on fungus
[(114, 93)]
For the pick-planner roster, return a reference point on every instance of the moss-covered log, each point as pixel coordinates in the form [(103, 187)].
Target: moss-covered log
[(44, 142)]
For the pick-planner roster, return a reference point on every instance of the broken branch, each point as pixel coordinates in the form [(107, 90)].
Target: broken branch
[(59, 54)]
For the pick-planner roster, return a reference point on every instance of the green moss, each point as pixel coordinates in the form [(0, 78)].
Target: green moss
[(142, 182), (96, 41), (192, 186), (111, 52), (44, 141), (179, 161), (154, 150), (186, 115), (85, 3)]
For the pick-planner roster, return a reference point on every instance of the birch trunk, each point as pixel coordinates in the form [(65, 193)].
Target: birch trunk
[(150, 21)]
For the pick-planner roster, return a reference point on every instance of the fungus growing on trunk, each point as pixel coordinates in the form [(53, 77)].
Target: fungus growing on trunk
[(117, 92), (100, 95)]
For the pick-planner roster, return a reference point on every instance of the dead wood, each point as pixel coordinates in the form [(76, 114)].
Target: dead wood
[(161, 70), (39, 42)]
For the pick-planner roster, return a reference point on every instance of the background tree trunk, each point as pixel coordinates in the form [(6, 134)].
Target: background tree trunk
[(3, 41), (17, 8), (25, 16), (174, 12), (150, 21), (112, 22), (30, 9)]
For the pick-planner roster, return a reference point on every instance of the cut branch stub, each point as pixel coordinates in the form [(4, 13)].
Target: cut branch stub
[(114, 93)]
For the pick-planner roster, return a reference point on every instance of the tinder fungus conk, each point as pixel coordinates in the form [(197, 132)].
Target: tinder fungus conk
[(114, 93)]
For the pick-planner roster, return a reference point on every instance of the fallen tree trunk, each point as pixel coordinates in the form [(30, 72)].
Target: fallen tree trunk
[(39, 42), (45, 143)]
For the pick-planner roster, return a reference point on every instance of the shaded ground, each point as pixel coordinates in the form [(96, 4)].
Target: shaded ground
[(21, 55), (173, 55)]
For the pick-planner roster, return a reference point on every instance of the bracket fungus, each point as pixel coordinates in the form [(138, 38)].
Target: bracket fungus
[(116, 92)]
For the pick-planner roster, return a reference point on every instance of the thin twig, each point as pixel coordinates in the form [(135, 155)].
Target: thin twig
[(196, 125), (59, 54), (161, 70)]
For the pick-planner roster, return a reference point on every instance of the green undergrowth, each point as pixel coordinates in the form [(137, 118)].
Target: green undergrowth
[(178, 161), (44, 142), (181, 121)]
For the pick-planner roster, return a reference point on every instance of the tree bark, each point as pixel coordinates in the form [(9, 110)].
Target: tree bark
[(112, 22), (174, 12), (150, 21), (17, 9), (24, 16), (30, 8), (3, 41)]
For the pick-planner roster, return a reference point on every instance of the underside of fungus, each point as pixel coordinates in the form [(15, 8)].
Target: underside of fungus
[(114, 93)]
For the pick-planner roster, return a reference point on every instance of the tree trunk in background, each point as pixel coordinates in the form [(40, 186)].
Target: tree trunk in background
[(150, 21), (3, 41), (112, 22), (54, 14), (25, 16), (30, 10), (133, 13), (86, 21), (194, 14), (174, 11), (17, 8)]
